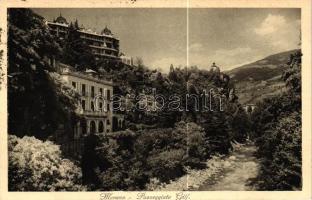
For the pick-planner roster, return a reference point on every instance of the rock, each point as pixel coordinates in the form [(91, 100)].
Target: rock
[(227, 164), (232, 157)]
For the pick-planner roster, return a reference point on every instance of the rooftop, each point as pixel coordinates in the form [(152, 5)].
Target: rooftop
[(89, 74), (61, 21)]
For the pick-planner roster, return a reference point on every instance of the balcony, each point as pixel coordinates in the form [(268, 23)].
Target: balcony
[(103, 47), (105, 55), (95, 113)]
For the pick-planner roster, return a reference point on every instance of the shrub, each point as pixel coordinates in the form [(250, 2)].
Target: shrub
[(120, 166), (35, 165), (193, 142), (167, 164), (281, 153), (277, 128)]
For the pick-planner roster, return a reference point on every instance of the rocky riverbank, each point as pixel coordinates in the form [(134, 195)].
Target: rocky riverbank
[(222, 173)]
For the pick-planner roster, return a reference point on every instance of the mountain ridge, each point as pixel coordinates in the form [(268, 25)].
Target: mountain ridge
[(260, 79)]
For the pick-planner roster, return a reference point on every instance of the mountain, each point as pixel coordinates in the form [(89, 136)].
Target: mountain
[(260, 79)]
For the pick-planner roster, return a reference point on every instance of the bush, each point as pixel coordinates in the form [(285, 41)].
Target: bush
[(281, 153), (120, 166), (38, 166), (193, 142), (277, 128), (167, 164)]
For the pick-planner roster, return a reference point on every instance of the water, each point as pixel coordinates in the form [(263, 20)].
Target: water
[(241, 166)]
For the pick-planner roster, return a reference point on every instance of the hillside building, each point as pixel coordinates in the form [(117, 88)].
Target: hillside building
[(95, 106), (249, 108), (214, 68), (127, 60), (103, 45)]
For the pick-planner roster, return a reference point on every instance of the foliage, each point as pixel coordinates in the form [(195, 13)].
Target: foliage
[(36, 104), (167, 164), (126, 160), (239, 122), (277, 128), (77, 52), (39, 102), (119, 166), (38, 166), (281, 148)]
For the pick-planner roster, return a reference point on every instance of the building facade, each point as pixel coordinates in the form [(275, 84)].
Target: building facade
[(249, 108), (127, 60), (103, 45), (95, 101)]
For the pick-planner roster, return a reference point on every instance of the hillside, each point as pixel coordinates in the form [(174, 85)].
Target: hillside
[(260, 79)]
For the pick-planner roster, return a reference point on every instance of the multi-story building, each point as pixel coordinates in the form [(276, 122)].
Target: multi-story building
[(103, 45), (95, 101)]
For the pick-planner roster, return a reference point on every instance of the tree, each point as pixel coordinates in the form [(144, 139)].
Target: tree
[(77, 52), (139, 61), (76, 25), (277, 127), (36, 102)]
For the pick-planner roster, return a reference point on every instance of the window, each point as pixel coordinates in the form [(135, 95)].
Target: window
[(92, 91), (101, 127), (108, 94), (108, 122), (108, 107), (101, 91), (92, 127), (92, 105), (83, 104), (74, 84), (83, 89), (100, 106)]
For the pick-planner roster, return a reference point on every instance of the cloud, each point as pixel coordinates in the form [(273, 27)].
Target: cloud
[(271, 24), (278, 34), (195, 47)]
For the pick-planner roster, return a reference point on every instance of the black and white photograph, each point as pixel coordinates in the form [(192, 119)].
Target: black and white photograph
[(154, 99)]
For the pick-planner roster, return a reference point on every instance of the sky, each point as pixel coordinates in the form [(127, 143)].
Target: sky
[(230, 37)]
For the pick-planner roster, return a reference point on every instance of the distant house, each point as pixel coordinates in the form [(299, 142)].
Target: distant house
[(249, 108), (214, 68), (127, 60)]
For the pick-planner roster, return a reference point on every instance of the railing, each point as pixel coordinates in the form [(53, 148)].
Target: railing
[(95, 113), (103, 47)]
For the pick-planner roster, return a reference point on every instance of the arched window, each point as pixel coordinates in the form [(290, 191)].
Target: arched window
[(92, 127), (101, 127)]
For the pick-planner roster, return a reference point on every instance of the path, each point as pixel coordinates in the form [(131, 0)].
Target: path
[(236, 172)]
